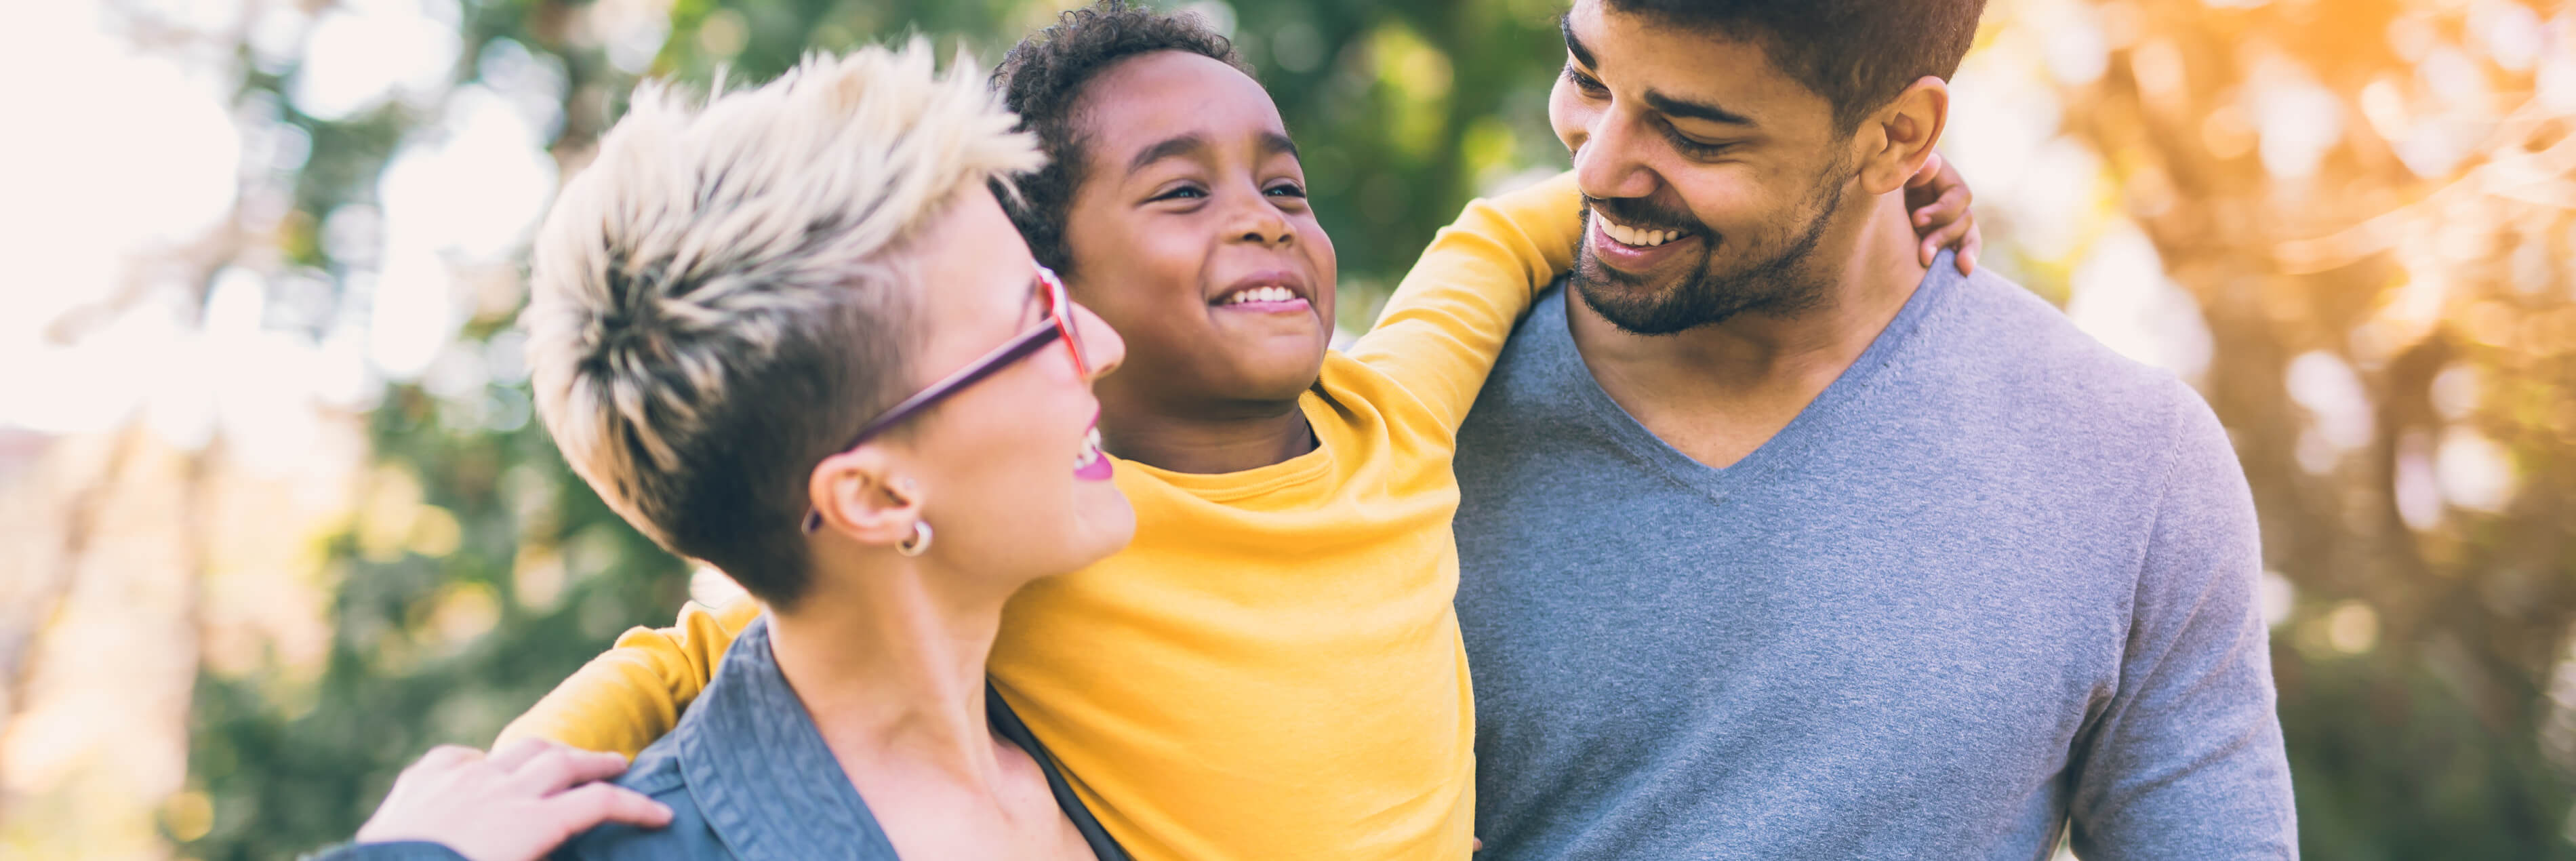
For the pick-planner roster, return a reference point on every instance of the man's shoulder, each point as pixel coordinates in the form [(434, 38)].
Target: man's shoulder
[(1993, 322), (1528, 378), (1996, 345)]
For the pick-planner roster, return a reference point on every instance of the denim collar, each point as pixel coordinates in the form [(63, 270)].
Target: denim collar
[(759, 772), (760, 775)]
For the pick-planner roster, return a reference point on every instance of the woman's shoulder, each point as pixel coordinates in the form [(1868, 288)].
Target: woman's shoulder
[(687, 836)]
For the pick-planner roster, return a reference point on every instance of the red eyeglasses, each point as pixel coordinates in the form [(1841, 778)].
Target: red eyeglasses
[(1059, 324)]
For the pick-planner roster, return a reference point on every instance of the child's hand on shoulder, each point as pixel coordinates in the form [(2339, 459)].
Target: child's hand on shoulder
[(1936, 201)]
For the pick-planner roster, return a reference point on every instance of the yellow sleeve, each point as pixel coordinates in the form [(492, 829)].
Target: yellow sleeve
[(633, 693), (1445, 326)]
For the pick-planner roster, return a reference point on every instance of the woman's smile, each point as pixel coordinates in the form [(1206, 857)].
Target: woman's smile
[(1091, 464)]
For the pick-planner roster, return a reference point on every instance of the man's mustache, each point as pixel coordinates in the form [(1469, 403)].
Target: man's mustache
[(1643, 214)]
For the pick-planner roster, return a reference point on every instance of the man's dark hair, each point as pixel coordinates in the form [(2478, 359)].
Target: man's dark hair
[(1041, 79), (1858, 54)]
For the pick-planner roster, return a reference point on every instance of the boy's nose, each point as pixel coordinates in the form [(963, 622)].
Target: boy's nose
[(1262, 224)]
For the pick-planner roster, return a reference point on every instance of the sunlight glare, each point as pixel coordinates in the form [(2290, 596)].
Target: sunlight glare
[(362, 53)]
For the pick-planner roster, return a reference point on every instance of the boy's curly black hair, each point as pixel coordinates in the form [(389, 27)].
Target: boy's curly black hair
[(1041, 80)]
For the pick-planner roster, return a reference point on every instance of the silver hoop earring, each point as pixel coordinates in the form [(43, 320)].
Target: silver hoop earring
[(918, 543)]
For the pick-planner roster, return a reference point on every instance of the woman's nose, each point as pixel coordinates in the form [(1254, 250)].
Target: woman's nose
[(1101, 347)]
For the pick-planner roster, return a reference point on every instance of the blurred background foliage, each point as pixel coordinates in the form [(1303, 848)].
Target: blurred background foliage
[(283, 520)]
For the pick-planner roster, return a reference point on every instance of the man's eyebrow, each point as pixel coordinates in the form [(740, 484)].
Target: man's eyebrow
[(1582, 55), (1673, 107), (1176, 145), (1663, 104)]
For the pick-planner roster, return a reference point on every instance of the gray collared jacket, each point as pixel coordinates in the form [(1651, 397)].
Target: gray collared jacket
[(747, 777)]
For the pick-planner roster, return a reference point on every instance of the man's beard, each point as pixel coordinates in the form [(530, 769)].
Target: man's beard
[(1780, 285)]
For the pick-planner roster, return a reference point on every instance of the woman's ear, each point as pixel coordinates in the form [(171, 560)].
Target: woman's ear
[(858, 495)]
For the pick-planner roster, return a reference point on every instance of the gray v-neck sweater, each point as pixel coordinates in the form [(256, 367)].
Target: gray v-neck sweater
[(1994, 580)]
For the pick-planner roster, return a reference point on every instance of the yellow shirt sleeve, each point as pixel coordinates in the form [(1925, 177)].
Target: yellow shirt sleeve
[(1445, 326), (633, 693)]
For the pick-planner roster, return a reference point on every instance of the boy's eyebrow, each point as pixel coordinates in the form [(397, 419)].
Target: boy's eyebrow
[(1181, 144), (1274, 143)]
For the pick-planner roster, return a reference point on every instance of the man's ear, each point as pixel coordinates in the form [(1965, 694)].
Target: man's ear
[(1896, 140), (858, 495)]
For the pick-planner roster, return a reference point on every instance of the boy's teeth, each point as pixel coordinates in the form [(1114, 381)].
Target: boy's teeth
[(1261, 294)]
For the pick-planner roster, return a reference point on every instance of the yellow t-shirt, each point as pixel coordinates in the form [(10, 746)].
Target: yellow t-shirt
[(1272, 670)]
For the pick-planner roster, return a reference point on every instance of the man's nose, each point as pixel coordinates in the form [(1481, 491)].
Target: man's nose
[(1611, 162)]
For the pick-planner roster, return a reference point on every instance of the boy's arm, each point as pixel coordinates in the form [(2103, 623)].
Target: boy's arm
[(1443, 329), (1445, 325), (633, 693)]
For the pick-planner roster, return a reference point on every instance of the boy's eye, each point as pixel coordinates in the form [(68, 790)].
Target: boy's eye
[(1181, 192), (1285, 189)]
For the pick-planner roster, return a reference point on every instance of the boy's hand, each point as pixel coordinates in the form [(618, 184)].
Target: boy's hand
[(515, 805), (1936, 199)]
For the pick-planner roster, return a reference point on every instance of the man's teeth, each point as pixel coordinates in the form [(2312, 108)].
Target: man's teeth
[(1261, 294), (1640, 238)]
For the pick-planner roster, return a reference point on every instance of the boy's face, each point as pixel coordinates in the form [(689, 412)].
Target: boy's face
[(1191, 234)]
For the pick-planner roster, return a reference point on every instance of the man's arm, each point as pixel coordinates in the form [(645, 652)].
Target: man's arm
[(633, 693), (2186, 762)]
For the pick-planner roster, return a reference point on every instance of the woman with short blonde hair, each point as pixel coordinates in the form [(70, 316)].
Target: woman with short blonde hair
[(791, 333)]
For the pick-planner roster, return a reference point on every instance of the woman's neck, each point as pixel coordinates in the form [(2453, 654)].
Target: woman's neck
[(1238, 438), (891, 669)]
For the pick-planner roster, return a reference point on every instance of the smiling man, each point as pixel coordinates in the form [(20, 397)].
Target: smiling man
[(1778, 543)]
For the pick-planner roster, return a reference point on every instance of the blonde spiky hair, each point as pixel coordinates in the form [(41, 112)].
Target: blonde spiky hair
[(720, 297)]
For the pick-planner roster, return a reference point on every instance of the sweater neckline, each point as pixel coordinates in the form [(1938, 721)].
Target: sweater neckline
[(1793, 444)]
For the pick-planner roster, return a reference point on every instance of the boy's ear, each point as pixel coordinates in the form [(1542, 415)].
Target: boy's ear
[(1895, 141), (858, 495)]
